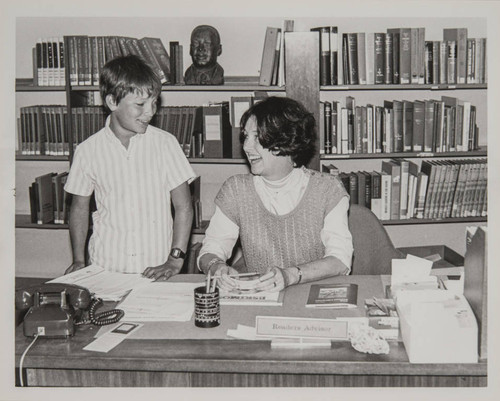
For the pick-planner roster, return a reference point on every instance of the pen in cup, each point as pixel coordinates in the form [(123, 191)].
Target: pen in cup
[(212, 286), (207, 287)]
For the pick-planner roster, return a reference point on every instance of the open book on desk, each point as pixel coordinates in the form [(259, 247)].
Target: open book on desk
[(109, 286)]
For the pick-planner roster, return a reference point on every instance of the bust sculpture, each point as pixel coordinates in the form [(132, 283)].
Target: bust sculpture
[(204, 49)]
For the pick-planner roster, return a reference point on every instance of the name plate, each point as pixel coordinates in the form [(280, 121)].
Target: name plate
[(294, 327)]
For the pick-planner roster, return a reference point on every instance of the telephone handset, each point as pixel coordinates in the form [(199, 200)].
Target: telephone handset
[(54, 309)]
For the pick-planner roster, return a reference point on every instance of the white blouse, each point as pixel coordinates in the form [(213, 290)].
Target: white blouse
[(281, 197)]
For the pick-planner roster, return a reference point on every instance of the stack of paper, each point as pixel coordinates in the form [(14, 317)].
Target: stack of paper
[(104, 284), (412, 273), (160, 301)]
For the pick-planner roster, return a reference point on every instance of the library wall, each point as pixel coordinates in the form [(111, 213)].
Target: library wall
[(46, 253)]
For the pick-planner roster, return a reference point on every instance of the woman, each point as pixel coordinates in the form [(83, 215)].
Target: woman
[(292, 221)]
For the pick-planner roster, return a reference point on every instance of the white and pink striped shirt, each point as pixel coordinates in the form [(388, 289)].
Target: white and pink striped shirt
[(132, 227)]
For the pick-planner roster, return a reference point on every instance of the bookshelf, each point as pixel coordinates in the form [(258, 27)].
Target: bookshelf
[(241, 66)]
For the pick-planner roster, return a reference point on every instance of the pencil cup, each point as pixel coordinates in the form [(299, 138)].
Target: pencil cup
[(206, 307)]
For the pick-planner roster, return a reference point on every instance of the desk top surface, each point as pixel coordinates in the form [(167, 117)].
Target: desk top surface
[(208, 351)]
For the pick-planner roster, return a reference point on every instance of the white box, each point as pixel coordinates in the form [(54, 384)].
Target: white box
[(437, 326)]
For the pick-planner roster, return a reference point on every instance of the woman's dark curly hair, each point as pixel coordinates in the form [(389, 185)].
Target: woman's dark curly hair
[(283, 126)]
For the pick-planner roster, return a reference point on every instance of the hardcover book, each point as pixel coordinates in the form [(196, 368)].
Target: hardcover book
[(333, 296), (325, 54), (268, 56)]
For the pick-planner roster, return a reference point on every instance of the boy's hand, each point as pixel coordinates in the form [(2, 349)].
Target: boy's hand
[(74, 267), (163, 272)]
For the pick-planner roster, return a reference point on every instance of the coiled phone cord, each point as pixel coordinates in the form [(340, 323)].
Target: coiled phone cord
[(103, 318)]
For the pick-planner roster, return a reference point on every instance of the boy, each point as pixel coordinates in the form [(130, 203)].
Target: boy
[(135, 171)]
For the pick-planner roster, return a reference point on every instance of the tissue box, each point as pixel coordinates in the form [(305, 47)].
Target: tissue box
[(437, 326)]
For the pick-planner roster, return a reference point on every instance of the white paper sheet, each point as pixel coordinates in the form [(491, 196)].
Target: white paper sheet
[(412, 269), (160, 301), (104, 284)]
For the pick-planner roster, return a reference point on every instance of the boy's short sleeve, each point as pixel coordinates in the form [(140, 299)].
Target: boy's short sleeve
[(79, 180), (179, 169)]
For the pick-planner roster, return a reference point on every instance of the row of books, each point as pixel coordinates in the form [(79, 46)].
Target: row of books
[(445, 125), (202, 131), (48, 201), (48, 62), (400, 56), (42, 130), (86, 55), (50, 204), (438, 190)]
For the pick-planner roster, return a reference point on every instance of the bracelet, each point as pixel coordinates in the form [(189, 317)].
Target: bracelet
[(300, 274), (213, 262)]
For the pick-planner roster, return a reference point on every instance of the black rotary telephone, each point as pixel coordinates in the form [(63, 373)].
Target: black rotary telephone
[(54, 309)]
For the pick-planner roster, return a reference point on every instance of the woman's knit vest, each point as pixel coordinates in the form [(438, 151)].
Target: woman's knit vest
[(284, 241)]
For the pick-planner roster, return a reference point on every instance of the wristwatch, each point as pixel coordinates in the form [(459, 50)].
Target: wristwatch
[(176, 253)]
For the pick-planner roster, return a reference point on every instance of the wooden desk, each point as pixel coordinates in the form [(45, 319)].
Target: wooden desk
[(229, 363)]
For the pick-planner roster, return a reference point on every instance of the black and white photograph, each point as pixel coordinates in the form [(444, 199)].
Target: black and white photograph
[(180, 178)]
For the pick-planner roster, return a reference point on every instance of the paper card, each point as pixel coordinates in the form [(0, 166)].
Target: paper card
[(411, 269), (113, 337)]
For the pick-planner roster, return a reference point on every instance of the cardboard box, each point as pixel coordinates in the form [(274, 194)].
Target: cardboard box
[(437, 326), (440, 254)]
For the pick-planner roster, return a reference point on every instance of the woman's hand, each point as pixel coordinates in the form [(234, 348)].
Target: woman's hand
[(224, 282), (273, 280)]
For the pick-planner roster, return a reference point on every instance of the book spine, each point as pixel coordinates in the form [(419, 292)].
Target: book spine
[(361, 51), (334, 47), (352, 50), (328, 128), (452, 62), (435, 62), (370, 57), (407, 126), (395, 56), (388, 58), (39, 62), (378, 128), (45, 63), (429, 63), (470, 62), (353, 189), (380, 68), (414, 61), (405, 56), (403, 199), (335, 128), (268, 55), (62, 61), (386, 196), (418, 126), (358, 124), (428, 139), (421, 192), (376, 194), (420, 52), (370, 129), (325, 55), (173, 62), (443, 62)]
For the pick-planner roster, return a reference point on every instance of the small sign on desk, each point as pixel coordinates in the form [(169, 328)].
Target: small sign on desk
[(294, 327)]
